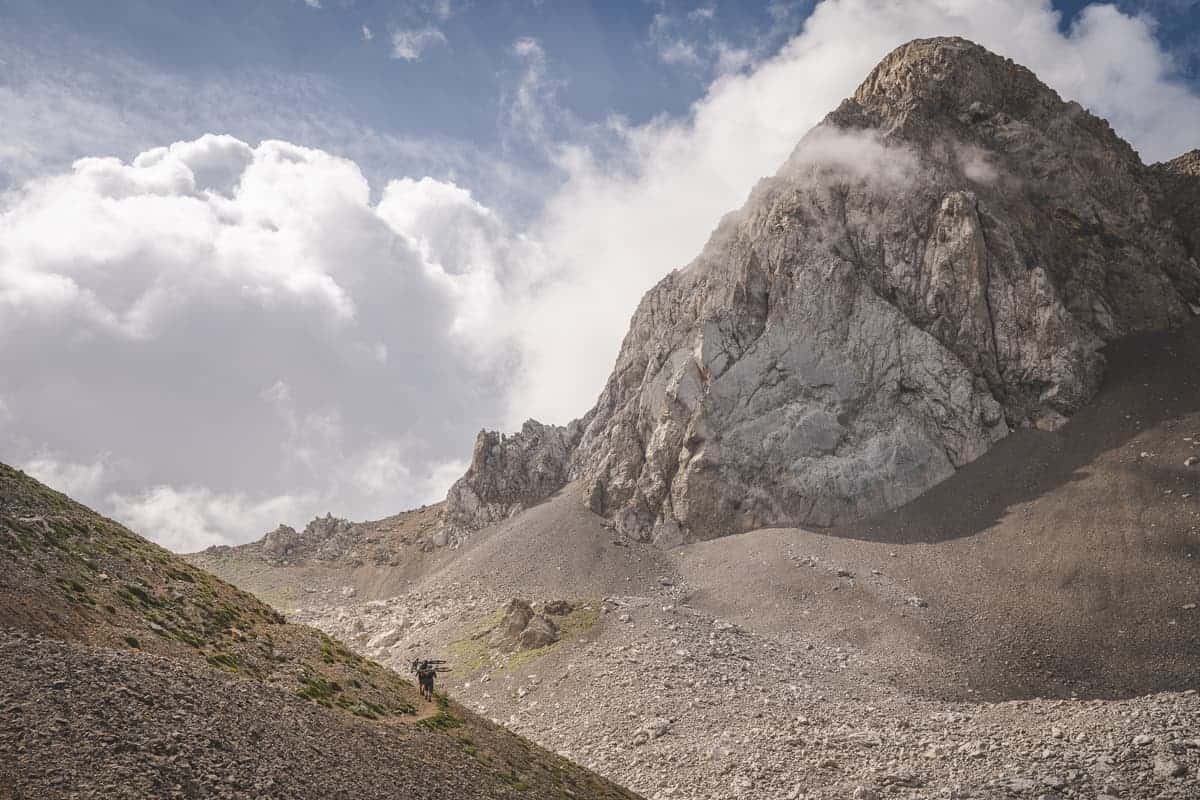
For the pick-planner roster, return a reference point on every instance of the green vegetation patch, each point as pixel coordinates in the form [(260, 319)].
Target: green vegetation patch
[(472, 653), (318, 689), (225, 661), (180, 575), (135, 594), (443, 720)]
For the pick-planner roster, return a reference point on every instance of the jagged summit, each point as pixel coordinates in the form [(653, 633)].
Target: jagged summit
[(950, 75), (327, 539), (939, 262), (509, 473), (1186, 164)]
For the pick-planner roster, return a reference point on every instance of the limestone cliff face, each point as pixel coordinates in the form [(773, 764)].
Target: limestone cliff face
[(938, 262), (509, 473)]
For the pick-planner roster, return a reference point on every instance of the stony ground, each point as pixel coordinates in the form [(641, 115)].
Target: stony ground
[(677, 704), (1028, 629), (86, 722)]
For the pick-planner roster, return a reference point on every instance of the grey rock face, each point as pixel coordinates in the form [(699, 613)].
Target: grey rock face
[(541, 632), (1180, 201), (324, 538), (937, 263), (509, 473)]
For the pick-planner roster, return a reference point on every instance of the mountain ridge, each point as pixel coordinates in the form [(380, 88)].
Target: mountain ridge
[(1000, 235)]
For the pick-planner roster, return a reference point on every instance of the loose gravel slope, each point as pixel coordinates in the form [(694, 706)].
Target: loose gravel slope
[(127, 673)]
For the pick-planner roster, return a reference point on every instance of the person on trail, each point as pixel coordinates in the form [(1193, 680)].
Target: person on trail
[(426, 672)]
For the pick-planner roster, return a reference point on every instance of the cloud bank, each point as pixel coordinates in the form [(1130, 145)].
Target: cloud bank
[(218, 336)]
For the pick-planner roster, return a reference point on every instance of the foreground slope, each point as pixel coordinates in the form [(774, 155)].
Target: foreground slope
[(127, 672)]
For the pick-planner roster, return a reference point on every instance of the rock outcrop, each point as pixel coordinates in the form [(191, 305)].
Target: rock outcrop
[(509, 473), (1180, 181), (522, 628), (938, 262), (332, 539)]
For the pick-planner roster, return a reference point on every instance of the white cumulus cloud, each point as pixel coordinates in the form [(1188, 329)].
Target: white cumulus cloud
[(191, 519), (250, 333), (81, 481)]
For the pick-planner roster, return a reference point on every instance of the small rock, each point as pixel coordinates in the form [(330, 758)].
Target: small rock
[(1169, 768), (1054, 781), (557, 608), (658, 727), (742, 783)]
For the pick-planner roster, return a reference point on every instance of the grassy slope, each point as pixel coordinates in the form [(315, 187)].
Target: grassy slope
[(72, 574)]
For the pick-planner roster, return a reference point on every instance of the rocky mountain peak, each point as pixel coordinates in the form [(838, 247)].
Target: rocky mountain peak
[(321, 534), (952, 74), (939, 262)]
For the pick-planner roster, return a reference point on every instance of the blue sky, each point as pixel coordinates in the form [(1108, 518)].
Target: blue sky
[(634, 60), (257, 264), (604, 49)]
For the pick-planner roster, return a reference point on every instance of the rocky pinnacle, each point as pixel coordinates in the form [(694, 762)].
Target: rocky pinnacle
[(937, 263)]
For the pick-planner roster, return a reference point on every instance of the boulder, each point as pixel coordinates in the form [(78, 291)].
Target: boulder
[(540, 632), (517, 615), (521, 628)]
